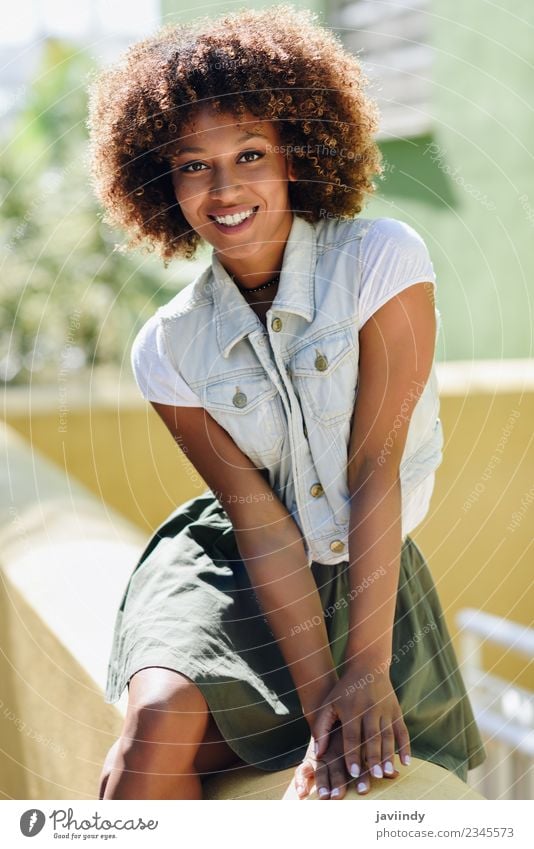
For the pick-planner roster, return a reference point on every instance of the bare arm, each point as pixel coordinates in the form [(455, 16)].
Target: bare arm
[(396, 354), (270, 544)]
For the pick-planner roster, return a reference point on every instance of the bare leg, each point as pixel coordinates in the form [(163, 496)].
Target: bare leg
[(214, 754), (169, 736)]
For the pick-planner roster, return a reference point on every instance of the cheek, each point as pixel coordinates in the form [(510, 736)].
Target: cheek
[(185, 198), (271, 184)]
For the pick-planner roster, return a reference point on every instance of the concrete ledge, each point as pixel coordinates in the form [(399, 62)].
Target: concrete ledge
[(65, 560), (475, 377), (67, 554), (421, 780)]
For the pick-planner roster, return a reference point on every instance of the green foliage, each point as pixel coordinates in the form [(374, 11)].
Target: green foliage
[(67, 299)]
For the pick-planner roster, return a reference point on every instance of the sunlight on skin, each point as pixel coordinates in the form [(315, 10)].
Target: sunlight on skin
[(235, 167)]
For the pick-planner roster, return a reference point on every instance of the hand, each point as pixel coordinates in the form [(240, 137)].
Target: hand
[(329, 774), (371, 722)]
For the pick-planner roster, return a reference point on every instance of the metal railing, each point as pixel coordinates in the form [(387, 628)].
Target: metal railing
[(503, 710)]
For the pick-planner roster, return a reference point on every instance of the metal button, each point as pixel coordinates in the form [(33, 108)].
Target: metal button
[(337, 546), (276, 324), (321, 363), (239, 399), (316, 490)]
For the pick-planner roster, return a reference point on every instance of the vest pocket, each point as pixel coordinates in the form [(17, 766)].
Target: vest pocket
[(248, 407), (325, 374)]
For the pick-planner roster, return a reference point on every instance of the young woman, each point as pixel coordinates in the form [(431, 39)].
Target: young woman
[(287, 605)]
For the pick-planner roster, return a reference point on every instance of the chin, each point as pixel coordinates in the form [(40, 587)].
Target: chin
[(239, 251)]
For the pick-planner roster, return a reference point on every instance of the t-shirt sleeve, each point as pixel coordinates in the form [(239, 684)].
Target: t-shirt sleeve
[(154, 374), (393, 257)]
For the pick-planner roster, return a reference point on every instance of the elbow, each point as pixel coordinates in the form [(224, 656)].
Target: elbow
[(379, 469)]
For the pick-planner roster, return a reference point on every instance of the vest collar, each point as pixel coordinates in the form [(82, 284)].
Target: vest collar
[(234, 317)]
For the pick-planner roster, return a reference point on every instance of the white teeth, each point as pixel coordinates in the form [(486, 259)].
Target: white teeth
[(233, 220)]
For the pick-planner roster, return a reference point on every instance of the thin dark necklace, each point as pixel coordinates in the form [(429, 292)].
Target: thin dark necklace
[(246, 289)]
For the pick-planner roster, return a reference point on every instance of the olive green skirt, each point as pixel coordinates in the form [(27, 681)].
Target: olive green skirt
[(189, 606)]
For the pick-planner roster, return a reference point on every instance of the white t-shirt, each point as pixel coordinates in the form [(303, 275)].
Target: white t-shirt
[(393, 257)]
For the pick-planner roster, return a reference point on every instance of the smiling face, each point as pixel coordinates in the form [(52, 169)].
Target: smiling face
[(231, 182)]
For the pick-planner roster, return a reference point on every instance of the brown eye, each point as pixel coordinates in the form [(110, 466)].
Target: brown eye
[(252, 153), (184, 168)]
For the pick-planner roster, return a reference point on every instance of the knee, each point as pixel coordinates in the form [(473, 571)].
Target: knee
[(164, 711)]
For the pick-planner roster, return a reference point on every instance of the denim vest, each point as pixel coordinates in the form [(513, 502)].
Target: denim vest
[(286, 392)]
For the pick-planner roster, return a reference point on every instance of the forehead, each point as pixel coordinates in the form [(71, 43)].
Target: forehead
[(213, 126)]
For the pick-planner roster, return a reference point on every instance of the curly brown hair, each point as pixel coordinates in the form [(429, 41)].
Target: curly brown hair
[(278, 64)]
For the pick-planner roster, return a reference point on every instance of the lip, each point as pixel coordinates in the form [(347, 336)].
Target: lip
[(237, 228)]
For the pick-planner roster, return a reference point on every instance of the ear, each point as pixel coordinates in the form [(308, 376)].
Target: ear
[(291, 172)]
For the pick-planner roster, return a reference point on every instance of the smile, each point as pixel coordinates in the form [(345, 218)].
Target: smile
[(236, 219)]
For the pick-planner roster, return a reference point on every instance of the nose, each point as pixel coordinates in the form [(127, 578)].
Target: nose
[(225, 184)]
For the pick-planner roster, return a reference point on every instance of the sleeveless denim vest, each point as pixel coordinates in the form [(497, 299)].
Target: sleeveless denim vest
[(286, 392)]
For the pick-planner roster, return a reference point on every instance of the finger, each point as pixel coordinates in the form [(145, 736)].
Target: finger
[(363, 783), (373, 745), (321, 728), (403, 740), (388, 747), (304, 776), (338, 776), (393, 774), (352, 741), (322, 780)]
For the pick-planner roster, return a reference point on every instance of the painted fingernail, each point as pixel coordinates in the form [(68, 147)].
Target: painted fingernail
[(376, 771), (407, 759), (388, 767), (354, 770), (362, 787), (316, 747), (323, 791), (335, 792)]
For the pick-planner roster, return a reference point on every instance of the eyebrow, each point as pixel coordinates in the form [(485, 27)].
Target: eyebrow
[(244, 137)]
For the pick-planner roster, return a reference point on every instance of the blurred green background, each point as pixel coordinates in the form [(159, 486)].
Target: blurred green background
[(453, 82)]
